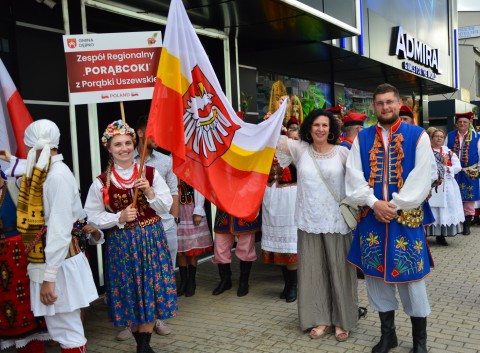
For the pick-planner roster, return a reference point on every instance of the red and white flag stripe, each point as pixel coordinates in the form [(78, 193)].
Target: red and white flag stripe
[(14, 116)]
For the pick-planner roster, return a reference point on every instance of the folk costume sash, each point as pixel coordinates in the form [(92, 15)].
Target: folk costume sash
[(397, 252), (30, 212), (468, 155)]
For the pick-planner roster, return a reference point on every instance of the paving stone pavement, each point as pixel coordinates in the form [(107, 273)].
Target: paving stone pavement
[(261, 322)]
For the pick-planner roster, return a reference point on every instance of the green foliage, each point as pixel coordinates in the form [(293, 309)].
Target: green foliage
[(244, 102)]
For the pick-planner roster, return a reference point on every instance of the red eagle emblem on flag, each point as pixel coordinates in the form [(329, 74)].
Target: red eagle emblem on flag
[(209, 130)]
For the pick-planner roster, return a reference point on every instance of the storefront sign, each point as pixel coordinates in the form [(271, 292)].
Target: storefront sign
[(112, 67), (468, 32), (404, 46)]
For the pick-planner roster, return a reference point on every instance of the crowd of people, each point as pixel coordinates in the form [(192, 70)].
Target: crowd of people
[(150, 221)]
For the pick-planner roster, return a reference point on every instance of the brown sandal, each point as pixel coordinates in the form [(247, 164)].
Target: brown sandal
[(341, 335), (318, 333)]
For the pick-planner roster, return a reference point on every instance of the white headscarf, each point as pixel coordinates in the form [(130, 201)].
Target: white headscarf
[(40, 135)]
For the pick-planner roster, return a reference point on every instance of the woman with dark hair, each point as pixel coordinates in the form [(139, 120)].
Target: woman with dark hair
[(327, 285)]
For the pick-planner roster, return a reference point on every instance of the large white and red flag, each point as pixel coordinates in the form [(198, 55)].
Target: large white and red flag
[(14, 116), (217, 153)]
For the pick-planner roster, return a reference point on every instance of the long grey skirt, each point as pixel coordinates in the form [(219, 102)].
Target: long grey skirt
[(327, 284)]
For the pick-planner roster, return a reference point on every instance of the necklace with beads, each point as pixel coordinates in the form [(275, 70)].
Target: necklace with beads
[(124, 182)]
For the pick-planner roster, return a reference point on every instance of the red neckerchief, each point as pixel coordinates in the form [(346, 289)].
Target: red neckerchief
[(348, 140)]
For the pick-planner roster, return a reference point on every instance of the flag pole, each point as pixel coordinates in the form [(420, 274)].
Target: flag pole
[(144, 154), (140, 170), (122, 111)]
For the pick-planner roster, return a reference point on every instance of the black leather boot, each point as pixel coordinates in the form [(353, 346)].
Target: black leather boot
[(183, 280), (191, 282), (475, 221), (225, 279), (466, 225), (419, 333), (441, 240), (143, 342), (291, 292), (245, 267), (284, 274), (389, 336)]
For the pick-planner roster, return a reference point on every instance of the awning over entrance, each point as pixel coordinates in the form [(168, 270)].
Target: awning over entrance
[(325, 63), (281, 36), (262, 20)]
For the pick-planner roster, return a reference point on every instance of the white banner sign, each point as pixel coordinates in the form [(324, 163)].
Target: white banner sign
[(468, 32), (112, 67)]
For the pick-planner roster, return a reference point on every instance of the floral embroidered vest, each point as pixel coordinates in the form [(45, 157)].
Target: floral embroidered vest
[(120, 198), (394, 252)]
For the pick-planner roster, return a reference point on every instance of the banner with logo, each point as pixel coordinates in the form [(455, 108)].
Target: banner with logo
[(112, 67)]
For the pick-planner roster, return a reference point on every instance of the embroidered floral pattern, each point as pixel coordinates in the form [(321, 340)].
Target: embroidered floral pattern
[(372, 252), (418, 246), (372, 239), (407, 257), (401, 243), (420, 265), (140, 277)]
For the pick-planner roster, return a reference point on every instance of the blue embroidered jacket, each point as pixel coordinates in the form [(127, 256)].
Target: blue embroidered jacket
[(393, 252)]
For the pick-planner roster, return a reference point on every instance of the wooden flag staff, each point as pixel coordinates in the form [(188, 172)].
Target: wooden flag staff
[(142, 160)]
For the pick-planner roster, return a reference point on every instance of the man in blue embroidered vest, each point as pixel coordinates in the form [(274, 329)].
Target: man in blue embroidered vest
[(464, 142), (386, 177)]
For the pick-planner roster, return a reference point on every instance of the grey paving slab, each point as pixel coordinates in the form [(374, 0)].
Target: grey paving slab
[(261, 322)]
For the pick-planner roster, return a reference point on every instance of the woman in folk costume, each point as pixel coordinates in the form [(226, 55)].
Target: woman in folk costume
[(61, 282), (446, 200), (18, 327), (279, 232), (194, 237), (140, 282)]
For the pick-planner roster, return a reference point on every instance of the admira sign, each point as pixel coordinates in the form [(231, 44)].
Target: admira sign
[(404, 46)]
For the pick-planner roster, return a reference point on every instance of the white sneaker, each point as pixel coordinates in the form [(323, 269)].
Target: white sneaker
[(161, 328), (124, 335)]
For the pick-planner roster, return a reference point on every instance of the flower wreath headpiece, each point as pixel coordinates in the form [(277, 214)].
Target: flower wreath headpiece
[(118, 127)]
